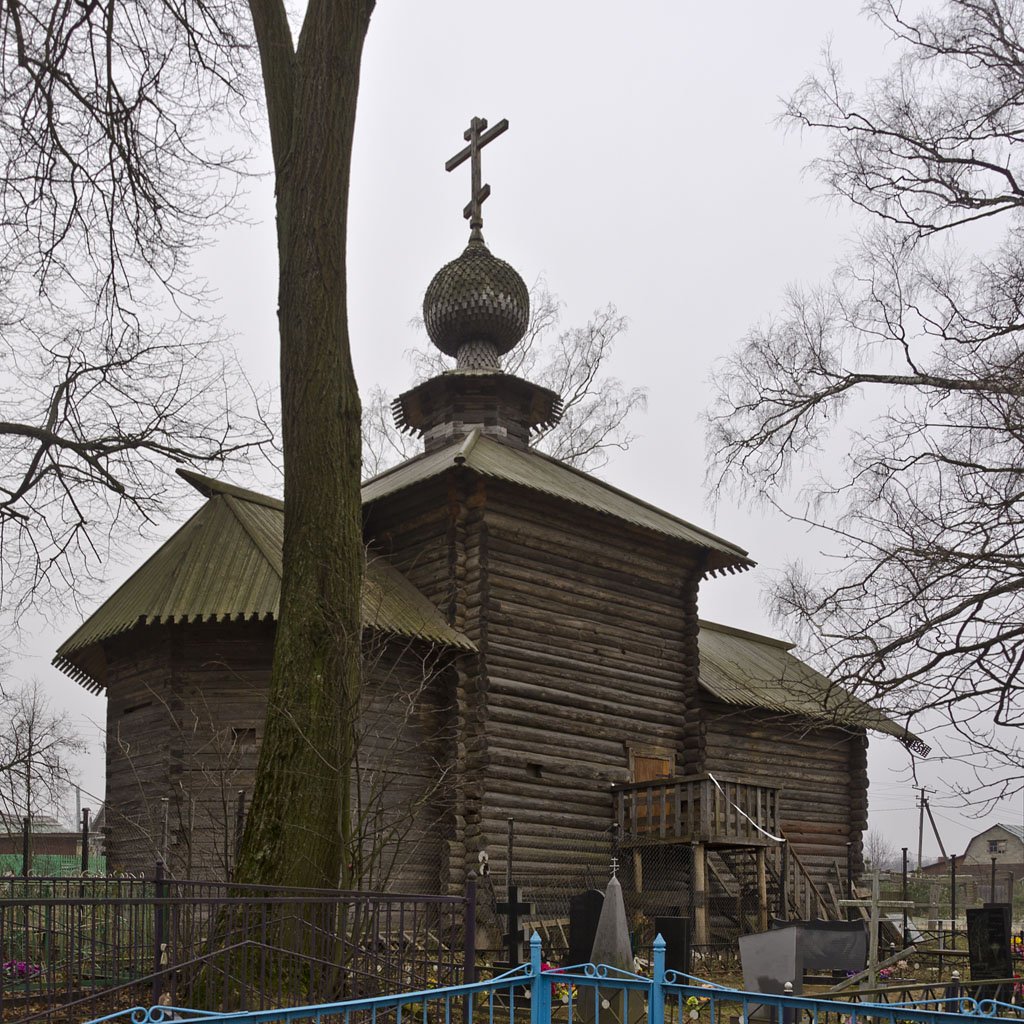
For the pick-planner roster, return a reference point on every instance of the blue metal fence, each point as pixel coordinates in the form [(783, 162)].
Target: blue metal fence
[(593, 994)]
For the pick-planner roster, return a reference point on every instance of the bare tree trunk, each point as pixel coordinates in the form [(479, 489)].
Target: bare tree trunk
[(299, 827)]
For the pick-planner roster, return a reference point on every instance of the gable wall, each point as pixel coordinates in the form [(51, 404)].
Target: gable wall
[(823, 799), (590, 650)]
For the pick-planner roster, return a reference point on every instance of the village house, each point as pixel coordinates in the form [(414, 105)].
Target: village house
[(1001, 843), (533, 650)]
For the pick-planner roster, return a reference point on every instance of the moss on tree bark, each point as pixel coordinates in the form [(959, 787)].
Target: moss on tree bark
[(299, 828)]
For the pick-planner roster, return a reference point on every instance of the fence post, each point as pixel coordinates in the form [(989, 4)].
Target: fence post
[(26, 854), (656, 1000), (85, 840), (158, 931), (905, 897), (952, 896), (239, 825), (540, 987)]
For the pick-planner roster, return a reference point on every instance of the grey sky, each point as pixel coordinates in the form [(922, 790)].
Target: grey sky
[(642, 167)]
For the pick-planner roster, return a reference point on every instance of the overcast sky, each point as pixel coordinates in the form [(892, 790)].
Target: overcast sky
[(642, 167)]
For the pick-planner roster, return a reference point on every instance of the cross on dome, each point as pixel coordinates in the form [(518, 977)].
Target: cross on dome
[(477, 136)]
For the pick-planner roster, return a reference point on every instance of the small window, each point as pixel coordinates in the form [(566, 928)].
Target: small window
[(243, 740), (997, 846)]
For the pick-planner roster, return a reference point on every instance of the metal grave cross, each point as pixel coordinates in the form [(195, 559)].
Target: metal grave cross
[(512, 908), (875, 904), (477, 136)]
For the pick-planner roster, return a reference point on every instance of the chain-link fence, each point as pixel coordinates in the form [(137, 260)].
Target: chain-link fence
[(658, 890), (943, 896)]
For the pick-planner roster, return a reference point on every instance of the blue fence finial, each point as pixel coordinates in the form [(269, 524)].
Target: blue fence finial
[(540, 987), (535, 960), (656, 1001)]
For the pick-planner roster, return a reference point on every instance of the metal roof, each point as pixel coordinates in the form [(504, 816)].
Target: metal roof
[(531, 469), (225, 564), (750, 670)]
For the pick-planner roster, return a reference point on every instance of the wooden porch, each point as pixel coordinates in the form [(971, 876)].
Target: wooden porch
[(696, 809), (733, 829)]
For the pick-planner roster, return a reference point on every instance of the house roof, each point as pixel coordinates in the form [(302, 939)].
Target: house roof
[(224, 564), (1017, 831), (750, 670), (538, 472), (41, 824)]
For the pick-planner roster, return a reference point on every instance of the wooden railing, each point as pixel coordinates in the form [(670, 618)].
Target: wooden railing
[(803, 899), (696, 809)]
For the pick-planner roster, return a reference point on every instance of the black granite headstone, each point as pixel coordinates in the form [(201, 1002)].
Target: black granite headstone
[(584, 913), (676, 933), (988, 941)]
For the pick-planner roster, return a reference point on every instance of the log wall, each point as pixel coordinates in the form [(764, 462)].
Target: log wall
[(140, 704), (586, 633), (590, 651), (186, 706), (822, 805), (432, 534)]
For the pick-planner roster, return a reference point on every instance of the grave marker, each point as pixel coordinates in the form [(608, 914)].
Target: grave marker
[(676, 933), (584, 913), (988, 941)]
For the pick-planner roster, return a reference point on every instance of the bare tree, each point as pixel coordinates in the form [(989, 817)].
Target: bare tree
[(571, 362), (880, 853), (87, 433), (888, 401), (109, 183), (110, 364), (37, 749)]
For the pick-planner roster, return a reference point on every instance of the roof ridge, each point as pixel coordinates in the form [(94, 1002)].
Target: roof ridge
[(418, 457), (210, 487), (231, 501), (747, 634)]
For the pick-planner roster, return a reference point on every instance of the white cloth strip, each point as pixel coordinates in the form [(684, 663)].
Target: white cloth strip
[(739, 810)]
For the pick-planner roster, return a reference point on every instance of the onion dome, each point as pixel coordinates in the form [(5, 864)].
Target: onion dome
[(476, 308)]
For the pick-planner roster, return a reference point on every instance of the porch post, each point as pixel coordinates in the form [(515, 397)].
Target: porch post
[(700, 899), (762, 890)]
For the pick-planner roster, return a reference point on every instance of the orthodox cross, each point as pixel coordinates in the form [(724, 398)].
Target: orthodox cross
[(615, 867), (477, 136), (875, 905), (513, 909)]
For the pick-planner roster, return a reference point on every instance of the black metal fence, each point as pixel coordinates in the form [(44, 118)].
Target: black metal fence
[(76, 948)]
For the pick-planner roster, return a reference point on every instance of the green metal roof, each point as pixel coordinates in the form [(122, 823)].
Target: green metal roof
[(754, 671), (538, 472), (225, 564)]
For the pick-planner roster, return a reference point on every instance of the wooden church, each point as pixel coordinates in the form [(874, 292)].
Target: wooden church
[(533, 649)]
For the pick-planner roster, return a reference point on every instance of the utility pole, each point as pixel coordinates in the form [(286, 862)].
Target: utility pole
[(921, 790), (935, 828)]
